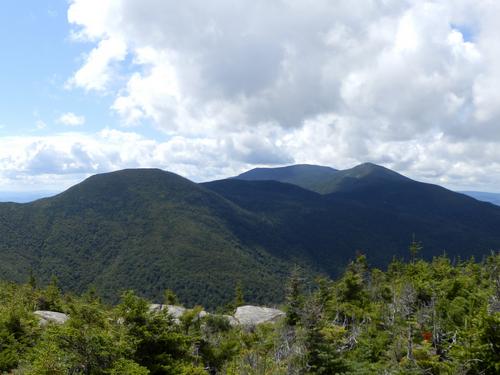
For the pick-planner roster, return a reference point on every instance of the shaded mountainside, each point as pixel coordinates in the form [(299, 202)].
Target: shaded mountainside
[(150, 230), (142, 229), (372, 209)]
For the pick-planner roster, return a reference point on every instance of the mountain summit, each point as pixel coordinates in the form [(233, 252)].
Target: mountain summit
[(303, 175), (144, 229), (322, 179)]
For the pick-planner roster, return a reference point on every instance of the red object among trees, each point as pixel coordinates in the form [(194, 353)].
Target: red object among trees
[(427, 336)]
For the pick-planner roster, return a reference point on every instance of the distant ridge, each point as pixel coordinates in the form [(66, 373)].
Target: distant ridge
[(24, 197), (303, 175), (484, 196), (323, 179)]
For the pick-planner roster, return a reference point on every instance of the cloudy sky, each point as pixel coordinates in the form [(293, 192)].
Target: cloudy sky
[(208, 89)]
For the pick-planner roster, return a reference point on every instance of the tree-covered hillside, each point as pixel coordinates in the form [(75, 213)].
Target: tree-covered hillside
[(418, 317), (377, 212), (142, 229), (149, 230)]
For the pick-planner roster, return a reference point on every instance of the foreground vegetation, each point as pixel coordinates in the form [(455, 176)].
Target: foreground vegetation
[(416, 318)]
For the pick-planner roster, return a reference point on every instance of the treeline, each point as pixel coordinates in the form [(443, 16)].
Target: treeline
[(437, 317)]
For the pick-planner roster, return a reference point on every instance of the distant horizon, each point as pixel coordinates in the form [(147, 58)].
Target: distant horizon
[(26, 196)]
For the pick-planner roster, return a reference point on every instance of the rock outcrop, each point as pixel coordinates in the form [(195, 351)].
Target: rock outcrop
[(47, 317), (175, 311), (254, 315), (245, 315)]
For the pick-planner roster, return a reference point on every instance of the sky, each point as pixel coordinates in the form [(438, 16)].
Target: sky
[(208, 89)]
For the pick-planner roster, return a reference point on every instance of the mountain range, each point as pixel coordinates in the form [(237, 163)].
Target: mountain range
[(150, 230)]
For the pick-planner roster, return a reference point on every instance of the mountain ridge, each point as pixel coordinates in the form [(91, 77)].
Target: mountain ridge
[(150, 230)]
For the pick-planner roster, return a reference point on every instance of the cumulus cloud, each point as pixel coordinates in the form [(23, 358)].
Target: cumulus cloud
[(70, 119), (69, 157), (58, 161), (97, 71), (411, 85)]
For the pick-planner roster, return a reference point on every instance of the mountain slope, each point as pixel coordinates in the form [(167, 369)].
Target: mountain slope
[(440, 217), (310, 177), (363, 176), (142, 229), (314, 229), (375, 210)]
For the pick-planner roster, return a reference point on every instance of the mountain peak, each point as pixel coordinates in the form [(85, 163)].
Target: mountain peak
[(371, 169), (306, 176), (284, 172), (323, 179)]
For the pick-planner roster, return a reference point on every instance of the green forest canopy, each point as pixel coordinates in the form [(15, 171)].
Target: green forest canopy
[(418, 317)]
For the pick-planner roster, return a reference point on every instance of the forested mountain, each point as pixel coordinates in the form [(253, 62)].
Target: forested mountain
[(141, 229), (367, 206), (322, 179), (149, 230)]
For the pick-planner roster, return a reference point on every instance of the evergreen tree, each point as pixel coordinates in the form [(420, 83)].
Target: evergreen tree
[(415, 249), (294, 297), (239, 299), (170, 297)]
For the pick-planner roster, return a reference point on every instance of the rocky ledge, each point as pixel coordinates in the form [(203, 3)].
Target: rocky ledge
[(246, 316)]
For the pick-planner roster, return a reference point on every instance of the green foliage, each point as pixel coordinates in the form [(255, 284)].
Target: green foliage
[(51, 297), (421, 317), (294, 298), (146, 230), (170, 298), (129, 367), (239, 298)]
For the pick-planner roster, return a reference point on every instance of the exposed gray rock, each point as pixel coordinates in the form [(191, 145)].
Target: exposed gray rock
[(245, 315), (175, 311), (254, 315), (494, 305), (47, 317), (156, 307)]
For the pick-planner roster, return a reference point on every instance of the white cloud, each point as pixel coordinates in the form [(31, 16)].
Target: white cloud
[(69, 157), (409, 84), (70, 119), (62, 160), (96, 73), (40, 125)]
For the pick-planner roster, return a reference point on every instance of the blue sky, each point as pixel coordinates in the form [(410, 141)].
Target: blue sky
[(38, 57), (210, 89)]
